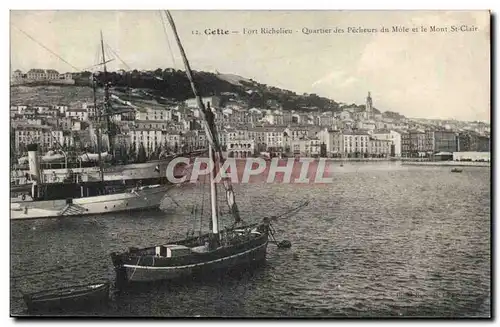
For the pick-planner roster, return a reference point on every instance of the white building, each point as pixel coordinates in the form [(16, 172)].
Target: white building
[(305, 147), (392, 136), (379, 148), (150, 139), (240, 148), (44, 136), (81, 114), (153, 114), (355, 142), (213, 101)]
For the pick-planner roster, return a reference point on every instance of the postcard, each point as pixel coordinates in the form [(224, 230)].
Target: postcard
[(250, 164)]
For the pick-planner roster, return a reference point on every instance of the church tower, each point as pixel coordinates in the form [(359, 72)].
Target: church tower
[(369, 106)]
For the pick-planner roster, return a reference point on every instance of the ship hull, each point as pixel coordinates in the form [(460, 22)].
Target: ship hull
[(249, 255), (147, 198), (76, 297), (148, 170)]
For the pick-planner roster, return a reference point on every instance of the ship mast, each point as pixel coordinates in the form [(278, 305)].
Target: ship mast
[(213, 191), (211, 131), (106, 99), (98, 129)]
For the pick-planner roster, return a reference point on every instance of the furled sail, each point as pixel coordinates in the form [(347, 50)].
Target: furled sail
[(209, 125)]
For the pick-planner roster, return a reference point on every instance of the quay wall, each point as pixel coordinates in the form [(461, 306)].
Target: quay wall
[(447, 163)]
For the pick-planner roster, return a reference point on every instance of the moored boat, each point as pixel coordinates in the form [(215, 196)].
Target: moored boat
[(199, 256), (79, 198), (220, 249), (69, 297), (142, 198), (456, 170)]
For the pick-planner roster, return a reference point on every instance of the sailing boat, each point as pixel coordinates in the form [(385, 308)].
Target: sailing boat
[(78, 198), (220, 248)]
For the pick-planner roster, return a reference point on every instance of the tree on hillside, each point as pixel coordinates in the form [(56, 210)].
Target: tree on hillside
[(158, 72)]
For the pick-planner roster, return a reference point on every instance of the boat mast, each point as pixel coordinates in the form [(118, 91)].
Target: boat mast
[(213, 191), (98, 129), (209, 125), (106, 98)]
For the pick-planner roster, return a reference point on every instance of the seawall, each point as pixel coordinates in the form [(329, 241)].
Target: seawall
[(447, 163)]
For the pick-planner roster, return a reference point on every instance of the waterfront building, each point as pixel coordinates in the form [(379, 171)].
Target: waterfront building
[(240, 148), (194, 140), (471, 156), (45, 136), (149, 138), (355, 143), (379, 148), (392, 136), (472, 142), (173, 139), (333, 140), (418, 147), (444, 141), (308, 147)]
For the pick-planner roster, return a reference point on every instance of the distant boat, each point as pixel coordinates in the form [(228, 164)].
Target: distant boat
[(456, 170), (70, 297)]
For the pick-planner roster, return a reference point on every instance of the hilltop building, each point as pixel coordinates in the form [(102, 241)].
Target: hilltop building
[(37, 75)]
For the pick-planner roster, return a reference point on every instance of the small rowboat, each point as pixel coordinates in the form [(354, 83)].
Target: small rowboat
[(456, 170), (71, 297)]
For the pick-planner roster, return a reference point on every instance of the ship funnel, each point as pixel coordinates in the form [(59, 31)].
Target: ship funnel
[(33, 162)]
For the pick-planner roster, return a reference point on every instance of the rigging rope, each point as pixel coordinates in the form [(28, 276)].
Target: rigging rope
[(117, 56), (202, 202), (43, 46), (209, 125), (168, 41)]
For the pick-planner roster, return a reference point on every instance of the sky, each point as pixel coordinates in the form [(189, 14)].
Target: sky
[(440, 75)]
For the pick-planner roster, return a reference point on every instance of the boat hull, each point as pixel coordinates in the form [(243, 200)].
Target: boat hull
[(252, 255), (61, 300), (147, 198)]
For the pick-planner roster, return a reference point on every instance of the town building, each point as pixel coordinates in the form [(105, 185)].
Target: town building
[(355, 143), (45, 136), (378, 148), (240, 148), (392, 136), (212, 101), (81, 114), (444, 141), (149, 138)]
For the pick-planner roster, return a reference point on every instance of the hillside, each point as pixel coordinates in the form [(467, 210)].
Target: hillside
[(173, 84), (50, 95), (165, 85)]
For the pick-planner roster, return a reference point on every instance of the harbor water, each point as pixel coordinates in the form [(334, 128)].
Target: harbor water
[(383, 239)]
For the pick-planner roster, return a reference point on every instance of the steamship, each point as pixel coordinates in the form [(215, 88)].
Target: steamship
[(79, 197)]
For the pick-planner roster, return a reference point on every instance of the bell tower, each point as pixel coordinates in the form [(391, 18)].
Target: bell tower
[(369, 106)]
